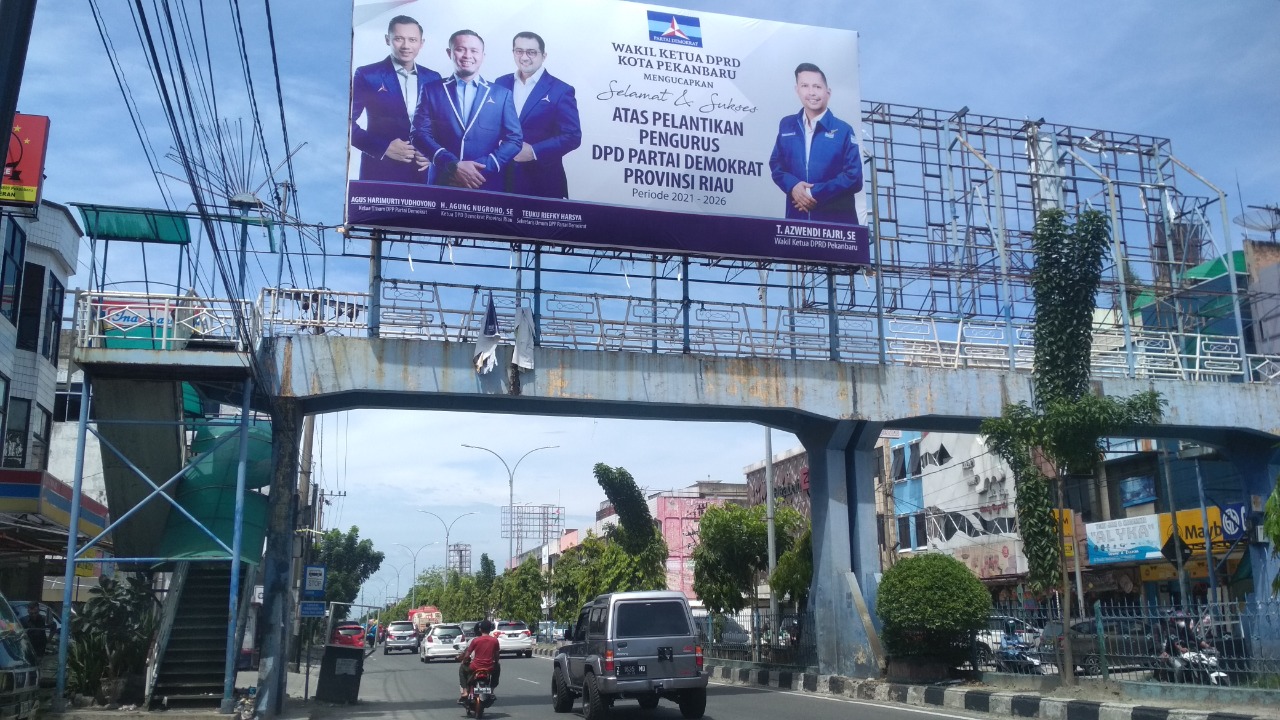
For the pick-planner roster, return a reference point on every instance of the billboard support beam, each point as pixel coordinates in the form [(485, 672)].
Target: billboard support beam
[(375, 284)]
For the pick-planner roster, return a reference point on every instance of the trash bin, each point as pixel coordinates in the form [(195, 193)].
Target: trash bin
[(340, 671)]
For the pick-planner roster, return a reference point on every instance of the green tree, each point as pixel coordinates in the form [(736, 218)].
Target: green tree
[(522, 591), (462, 599), (348, 561), (1060, 433), (733, 553), (1271, 526), (488, 571), (635, 530), (793, 575), (931, 604), (597, 566)]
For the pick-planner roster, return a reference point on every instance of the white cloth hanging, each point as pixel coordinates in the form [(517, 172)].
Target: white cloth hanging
[(523, 355)]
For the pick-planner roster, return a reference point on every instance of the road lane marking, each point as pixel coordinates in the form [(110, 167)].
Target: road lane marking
[(535, 682)]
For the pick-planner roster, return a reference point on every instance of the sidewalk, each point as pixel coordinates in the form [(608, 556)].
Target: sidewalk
[(1088, 701)]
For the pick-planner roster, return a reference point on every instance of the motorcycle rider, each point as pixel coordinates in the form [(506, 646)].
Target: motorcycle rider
[(1179, 640), (481, 654)]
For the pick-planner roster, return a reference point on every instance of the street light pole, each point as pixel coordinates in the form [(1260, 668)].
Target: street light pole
[(511, 492), (413, 586), (398, 570), (447, 528)]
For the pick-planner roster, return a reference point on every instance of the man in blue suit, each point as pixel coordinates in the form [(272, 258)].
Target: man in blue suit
[(815, 159), (387, 94), (548, 114), (467, 127)]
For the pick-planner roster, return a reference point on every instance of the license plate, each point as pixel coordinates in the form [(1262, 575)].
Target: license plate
[(631, 668)]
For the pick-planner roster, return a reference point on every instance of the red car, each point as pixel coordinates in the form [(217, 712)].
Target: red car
[(349, 634)]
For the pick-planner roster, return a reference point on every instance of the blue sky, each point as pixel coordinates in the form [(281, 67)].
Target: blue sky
[(1202, 74)]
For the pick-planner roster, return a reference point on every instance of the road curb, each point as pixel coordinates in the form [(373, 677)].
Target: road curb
[(993, 702)]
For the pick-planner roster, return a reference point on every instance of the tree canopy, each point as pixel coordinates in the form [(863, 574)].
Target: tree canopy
[(348, 561), (733, 551)]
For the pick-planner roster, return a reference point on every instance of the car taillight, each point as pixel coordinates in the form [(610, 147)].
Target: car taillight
[(608, 662), (430, 640), (525, 633), (697, 656)]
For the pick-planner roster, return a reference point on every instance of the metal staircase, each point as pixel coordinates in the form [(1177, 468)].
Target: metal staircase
[(188, 668)]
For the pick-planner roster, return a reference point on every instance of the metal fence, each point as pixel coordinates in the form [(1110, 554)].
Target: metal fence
[(790, 642), (1231, 643)]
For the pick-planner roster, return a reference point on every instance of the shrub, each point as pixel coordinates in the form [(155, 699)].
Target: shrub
[(931, 605)]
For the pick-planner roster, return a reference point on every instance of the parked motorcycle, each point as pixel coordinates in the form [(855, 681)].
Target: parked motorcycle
[(479, 696)]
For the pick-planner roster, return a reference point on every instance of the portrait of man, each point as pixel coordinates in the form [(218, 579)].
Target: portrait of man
[(548, 112), (387, 93), (815, 158), (466, 126)]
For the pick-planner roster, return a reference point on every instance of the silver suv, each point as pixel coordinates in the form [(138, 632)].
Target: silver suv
[(640, 645)]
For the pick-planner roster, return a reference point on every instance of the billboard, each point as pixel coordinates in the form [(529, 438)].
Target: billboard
[(1125, 540), (616, 125), (24, 161)]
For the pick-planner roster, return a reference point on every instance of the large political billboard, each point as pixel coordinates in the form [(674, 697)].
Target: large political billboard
[(612, 124)]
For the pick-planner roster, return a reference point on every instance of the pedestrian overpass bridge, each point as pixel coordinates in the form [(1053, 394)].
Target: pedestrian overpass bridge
[(835, 379)]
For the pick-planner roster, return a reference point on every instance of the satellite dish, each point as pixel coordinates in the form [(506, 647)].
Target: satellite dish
[(1261, 218)]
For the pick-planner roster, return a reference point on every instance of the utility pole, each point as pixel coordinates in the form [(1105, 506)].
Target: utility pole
[(16, 19), (773, 532)]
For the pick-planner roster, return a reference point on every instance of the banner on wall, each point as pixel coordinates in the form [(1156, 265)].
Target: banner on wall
[(23, 177), (1125, 540), (615, 125)]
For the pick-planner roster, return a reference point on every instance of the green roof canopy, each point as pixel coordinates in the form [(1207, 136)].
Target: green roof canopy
[(103, 222), (1203, 272)]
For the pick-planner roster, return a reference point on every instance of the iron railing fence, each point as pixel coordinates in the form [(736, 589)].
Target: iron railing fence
[(1226, 643), (788, 642), (593, 321), (141, 321)]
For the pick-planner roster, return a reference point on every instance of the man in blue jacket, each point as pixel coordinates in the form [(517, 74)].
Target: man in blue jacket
[(467, 127), (387, 94), (815, 159), (548, 113)]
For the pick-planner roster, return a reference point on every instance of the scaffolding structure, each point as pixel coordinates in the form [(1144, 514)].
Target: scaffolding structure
[(459, 559), (953, 198), (543, 523)]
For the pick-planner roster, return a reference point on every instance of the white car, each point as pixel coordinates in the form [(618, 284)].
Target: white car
[(514, 637), (442, 641)]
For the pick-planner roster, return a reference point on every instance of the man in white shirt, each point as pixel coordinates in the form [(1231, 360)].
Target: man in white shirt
[(815, 158), (548, 114), (387, 94)]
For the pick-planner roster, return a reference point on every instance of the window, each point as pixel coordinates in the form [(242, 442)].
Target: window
[(15, 433), (15, 250), (596, 626), (53, 320), (904, 532), (899, 471), (40, 430), (651, 619), (30, 308)]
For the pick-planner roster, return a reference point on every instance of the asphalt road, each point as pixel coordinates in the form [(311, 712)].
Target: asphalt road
[(399, 687)]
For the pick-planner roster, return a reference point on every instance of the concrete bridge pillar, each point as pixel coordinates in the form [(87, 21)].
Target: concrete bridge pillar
[(276, 614), (846, 555)]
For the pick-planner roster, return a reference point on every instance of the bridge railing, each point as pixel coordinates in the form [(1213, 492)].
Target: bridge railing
[(594, 321), (139, 321)]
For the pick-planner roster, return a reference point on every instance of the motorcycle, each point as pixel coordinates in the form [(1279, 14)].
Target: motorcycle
[(1018, 658), (1201, 666), (479, 696)]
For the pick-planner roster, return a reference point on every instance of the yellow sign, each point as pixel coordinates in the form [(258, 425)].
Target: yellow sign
[(1191, 527), (1196, 570), (1068, 533)]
